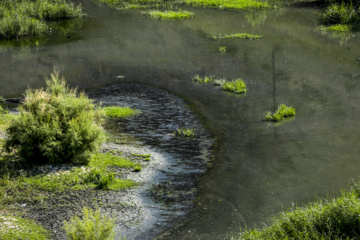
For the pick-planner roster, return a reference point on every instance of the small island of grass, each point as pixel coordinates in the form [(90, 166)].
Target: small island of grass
[(236, 86), (281, 113), (120, 112), (237, 36), (169, 15)]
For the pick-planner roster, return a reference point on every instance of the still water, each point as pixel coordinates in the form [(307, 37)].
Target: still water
[(259, 169)]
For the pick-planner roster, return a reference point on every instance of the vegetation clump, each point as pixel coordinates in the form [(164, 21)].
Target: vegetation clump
[(236, 86), (237, 36), (222, 49), (205, 79), (185, 132), (92, 226), (26, 17), (120, 112), (345, 14), (282, 112), (55, 125), (232, 5), (330, 219), (169, 15)]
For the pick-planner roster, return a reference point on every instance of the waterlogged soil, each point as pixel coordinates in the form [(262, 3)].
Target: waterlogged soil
[(168, 179)]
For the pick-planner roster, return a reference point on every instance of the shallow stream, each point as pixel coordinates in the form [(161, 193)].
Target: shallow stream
[(258, 169)]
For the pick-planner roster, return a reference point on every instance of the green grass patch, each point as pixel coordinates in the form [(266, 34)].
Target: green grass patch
[(185, 132), (120, 112), (169, 15), (5, 120), (338, 28), (91, 226), (222, 49), (226, 4), (14, 227), (281, 113), (27, 18), (237, 36), (325, 219), (236, 86), (35, 184), (205, 79)]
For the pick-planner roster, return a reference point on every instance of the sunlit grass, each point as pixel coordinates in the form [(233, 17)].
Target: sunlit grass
[(226, 4), (15, 227), (169, 15), (120, 112), (237, 36), (337, 218), (236, 86), (26, 18), (185, 132), (282, 112)]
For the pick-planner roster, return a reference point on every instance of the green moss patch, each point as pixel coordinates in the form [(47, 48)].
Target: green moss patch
[(185, 132), (237, 36), (282, 112), (169, 15), (120, 112), (226, 4)]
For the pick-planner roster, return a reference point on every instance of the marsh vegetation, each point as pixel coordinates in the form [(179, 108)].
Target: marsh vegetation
[(169, 15), (280, 114)]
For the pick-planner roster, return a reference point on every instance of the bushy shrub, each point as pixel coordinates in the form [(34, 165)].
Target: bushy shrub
[(92, 226), (55, 125), (282, 112)]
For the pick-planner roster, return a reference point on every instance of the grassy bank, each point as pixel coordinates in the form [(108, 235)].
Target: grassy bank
[(26, 181), (30, 18), (337, 218)]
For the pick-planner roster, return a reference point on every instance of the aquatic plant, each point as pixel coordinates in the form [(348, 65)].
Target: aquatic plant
[(237, 36), (236, 86), (185, 132), (24, 17), (205, 79), (342, 14), (282, 112), (219, 81), (169, 15), (233, 5), (137, 169), (55, 125), (120, 112), (91, 226), (222, 49), (336, 218)]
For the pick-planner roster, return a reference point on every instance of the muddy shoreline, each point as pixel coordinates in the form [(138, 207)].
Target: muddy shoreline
[(167, 182)]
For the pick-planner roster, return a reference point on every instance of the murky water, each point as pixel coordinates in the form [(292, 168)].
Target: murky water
[(259, 169)]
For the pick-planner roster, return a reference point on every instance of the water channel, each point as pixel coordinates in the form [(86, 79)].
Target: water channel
[(258, 169)]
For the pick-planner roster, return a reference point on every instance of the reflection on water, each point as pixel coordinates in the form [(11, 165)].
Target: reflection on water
[(259, 170)]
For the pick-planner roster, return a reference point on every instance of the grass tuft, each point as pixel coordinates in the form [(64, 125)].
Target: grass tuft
[(236, 86), (91, 226), (169, 15), (346, 14), (185, 132), (120, 112), (222, 49), (26, 17), (237, 36), (282, 112)]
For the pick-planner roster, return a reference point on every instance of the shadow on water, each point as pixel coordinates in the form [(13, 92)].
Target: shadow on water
[(259, 169)]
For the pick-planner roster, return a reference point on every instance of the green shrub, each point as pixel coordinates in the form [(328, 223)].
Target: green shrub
[(282, 112), (185, 132), (92, 226), (55, 125), (236, 86)]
